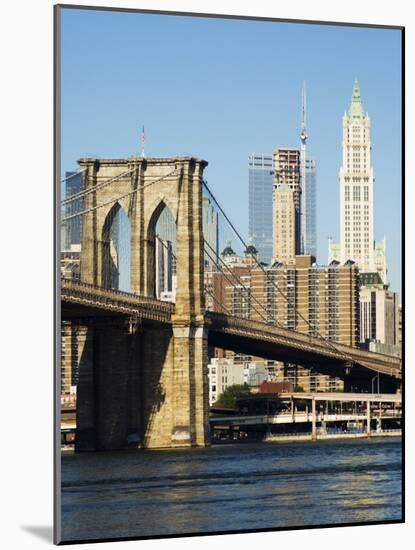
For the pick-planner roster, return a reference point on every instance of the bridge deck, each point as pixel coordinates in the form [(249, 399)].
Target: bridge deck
[(230, 332)]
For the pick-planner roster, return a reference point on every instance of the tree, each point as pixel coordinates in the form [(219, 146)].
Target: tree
[(231, 394), (298, 389)]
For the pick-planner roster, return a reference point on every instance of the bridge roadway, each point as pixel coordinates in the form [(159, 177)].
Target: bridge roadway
[(232, 333)]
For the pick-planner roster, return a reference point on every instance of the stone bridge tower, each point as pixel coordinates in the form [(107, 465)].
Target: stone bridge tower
[(146, 383)]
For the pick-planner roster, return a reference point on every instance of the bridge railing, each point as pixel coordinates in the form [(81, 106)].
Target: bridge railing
[(249, 326), (115, 298)]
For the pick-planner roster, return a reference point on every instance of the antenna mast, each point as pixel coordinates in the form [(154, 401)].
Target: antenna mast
[(303, 138)]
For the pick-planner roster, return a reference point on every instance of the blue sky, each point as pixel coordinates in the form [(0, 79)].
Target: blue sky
[(220, 89)]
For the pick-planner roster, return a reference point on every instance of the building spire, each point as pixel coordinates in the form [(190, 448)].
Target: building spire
[(356, 106), (303, 134), (303, 200)]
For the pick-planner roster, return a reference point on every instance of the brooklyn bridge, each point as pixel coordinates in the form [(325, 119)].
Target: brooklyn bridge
[(143, 366)]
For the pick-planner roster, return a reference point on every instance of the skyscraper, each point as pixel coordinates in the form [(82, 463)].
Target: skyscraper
[(356, 194), (309, 209), (308, 190), (356, 187), (284, 224), (260, 177), (286, 200)]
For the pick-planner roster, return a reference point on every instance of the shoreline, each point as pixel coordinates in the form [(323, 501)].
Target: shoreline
[(323, 437), (288, 438)]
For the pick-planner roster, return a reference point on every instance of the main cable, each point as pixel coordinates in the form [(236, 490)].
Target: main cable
[(327, 342)]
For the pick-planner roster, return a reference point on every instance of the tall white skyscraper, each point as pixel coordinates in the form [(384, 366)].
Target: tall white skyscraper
[(356, 195), (356, 187)]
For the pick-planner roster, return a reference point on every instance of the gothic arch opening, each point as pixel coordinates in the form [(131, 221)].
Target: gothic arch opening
[(161, 241), (116, 250)]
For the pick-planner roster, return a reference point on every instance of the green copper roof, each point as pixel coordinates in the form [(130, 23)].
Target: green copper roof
[(370, 279), (228, 251), (356, 106)]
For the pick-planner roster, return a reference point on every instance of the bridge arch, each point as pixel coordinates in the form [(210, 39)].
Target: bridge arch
[(115, 249), (144, 188), (161, 253)]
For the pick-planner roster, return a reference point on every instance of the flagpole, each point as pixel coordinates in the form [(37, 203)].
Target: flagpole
[(142, 143)]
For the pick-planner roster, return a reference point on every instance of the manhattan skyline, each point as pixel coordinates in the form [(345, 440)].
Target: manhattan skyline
[(222, 89)]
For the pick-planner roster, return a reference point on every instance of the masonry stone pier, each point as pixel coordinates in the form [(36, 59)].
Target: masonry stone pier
[(147, 385)]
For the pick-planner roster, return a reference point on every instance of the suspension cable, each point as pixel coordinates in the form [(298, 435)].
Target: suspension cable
[(248, 290), (327, 342), (245, 288), (73, 175), (217, 301), (81, 194), (114, 200), (205, 287)]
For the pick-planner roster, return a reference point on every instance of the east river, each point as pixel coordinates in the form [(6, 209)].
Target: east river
[(230, 487)]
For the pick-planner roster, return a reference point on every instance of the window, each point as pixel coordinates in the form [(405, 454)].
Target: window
[(347, 193)]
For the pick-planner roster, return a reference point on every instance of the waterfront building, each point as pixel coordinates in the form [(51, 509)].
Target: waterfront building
[(309, 298), (222, 373), (260, 182), (379, 312), (317, 300)]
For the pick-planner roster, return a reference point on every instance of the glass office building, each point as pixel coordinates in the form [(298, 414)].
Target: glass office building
[(74, 183), (309, 213), (260, 177)]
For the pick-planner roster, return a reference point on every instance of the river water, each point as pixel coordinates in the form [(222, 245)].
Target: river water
[(230, 487)]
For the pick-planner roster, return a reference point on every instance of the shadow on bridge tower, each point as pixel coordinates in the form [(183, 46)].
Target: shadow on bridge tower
[(142, 381)]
